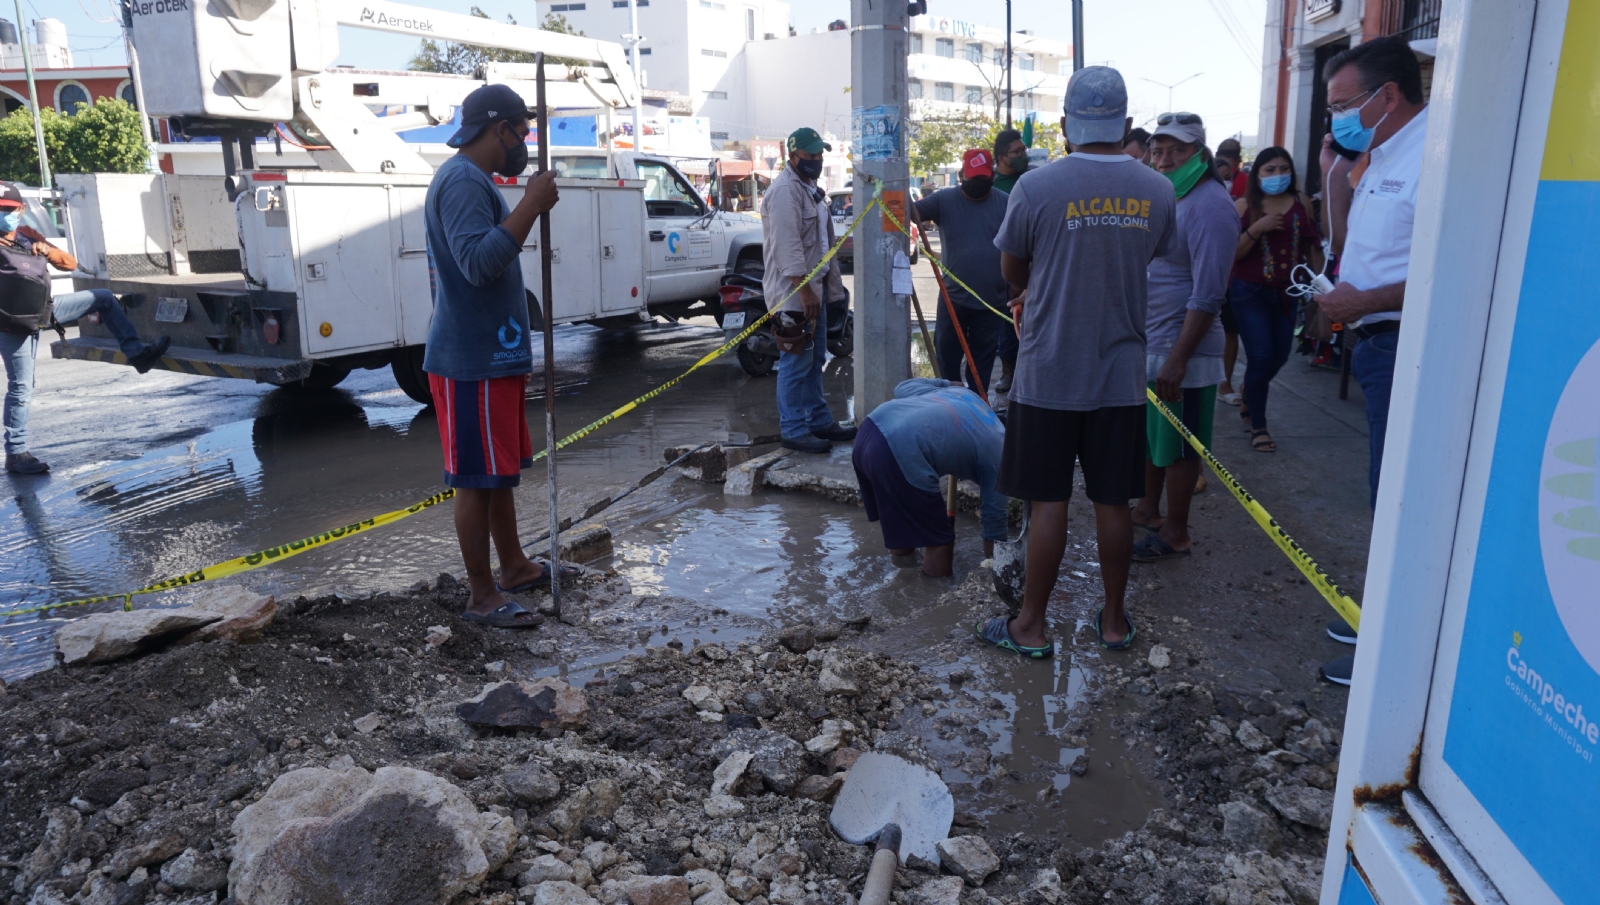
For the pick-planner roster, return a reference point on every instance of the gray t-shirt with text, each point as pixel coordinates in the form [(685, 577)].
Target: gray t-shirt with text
[(1090, 224)]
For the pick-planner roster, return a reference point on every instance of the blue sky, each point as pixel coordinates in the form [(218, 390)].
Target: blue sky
[(1151, 41)]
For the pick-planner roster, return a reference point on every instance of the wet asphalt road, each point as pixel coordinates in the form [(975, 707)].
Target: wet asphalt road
[(162, 474)]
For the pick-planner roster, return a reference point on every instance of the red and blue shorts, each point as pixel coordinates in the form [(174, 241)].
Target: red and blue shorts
[(483, 425)]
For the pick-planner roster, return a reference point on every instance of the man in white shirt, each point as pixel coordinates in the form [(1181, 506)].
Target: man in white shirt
[(1375, 96)]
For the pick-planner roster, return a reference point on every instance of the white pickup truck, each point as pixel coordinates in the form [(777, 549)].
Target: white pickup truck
[(329, 270)]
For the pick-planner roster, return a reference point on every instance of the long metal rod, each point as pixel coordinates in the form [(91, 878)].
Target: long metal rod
[(633, 60), (33, 98), (547, 259), (1008, 64), (151, 164), (1077, 35)]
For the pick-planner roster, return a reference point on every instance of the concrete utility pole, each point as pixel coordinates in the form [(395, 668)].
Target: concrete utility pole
[(878, 89), (33, 96), (1009, 64)]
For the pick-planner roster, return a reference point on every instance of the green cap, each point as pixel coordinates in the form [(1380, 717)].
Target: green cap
[(807, 140)]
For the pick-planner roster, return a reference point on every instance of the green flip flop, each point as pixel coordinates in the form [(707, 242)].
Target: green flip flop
[(995, 632), (1125, 643)]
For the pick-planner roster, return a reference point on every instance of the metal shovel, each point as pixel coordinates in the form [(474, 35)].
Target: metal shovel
[(1011, 564), (882, 794)]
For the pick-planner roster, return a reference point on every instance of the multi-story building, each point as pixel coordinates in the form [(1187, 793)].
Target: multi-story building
[(736, 64), (1301, 36)]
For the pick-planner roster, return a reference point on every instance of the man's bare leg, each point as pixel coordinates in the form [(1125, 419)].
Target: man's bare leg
[(515, 566), (939, 562), (1047, 542), (472, 531), (1114, 534), (1182, 477), (1147, 512)]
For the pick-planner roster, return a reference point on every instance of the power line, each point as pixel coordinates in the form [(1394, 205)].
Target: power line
[(1235, 31)]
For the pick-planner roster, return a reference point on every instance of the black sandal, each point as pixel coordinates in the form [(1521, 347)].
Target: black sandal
[(1262, 442)]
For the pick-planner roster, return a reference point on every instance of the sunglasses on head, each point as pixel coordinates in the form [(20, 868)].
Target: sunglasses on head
[(1182, 119)]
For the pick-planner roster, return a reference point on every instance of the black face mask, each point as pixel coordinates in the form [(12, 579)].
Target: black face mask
[(977, 188), (516, 157), (808, 169), (1018, 163)]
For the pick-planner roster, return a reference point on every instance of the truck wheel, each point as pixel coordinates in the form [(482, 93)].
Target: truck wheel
[(406, 365), (754, 363), (322, 377), (916, 252)]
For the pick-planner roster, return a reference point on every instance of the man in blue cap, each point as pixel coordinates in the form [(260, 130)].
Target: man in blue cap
[(796, 230), (479, 354), (1078, 236)]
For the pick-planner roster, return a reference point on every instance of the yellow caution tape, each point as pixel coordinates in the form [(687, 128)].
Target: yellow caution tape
[(1346, 607), (279, 553), (251, 561)]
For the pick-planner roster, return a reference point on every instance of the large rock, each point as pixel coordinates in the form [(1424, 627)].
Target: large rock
[(1248, 828), (968, 857), (111, 636), (657, 890), (729, 772), (245, 615), (597, 800), (397, 836), (798, 638), (60, 832), (195, 872), (776, 758), (939, 891), (747, 478), (837, 675), (720, 806), (144, 854), (1251, 738), (832, 734), (560, 892), (1312, 807), (531, 784), (545, 704), (545, 867)]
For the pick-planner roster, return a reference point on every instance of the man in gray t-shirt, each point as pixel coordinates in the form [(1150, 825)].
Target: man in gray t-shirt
[(1078, 236), (969, 217)]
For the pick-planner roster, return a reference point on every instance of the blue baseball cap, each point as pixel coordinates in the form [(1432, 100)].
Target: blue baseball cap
[(483, 108), (1096, 106)]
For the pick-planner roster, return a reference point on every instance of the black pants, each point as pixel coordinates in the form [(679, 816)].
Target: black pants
[(982, 329)]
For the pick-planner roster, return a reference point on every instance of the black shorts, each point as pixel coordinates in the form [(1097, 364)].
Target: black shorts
[(911, 517), (1042, 445)]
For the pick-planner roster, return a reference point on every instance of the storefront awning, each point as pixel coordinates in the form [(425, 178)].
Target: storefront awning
[(734, 169)]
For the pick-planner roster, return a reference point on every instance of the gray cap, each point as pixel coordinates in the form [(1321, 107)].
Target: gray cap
[(1097, 106), (1190, 133)]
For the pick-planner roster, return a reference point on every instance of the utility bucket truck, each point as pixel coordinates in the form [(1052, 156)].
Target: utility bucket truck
[(296, 276)]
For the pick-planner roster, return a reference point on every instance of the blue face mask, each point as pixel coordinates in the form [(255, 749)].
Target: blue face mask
[(10, 220), (1348, 131), (1275, 185)]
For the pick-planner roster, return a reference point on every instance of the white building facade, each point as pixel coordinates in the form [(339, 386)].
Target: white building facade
[(738, 68)]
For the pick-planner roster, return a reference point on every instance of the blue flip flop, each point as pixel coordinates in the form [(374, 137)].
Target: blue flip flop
[(1125, 643), (996, 632), (568, 572), (506, 617)]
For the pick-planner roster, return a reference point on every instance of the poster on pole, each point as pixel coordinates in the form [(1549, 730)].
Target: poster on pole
[(1524, 715), (875, 132)]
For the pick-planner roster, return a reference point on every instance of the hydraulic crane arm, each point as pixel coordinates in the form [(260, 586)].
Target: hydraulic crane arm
[(398, 18)]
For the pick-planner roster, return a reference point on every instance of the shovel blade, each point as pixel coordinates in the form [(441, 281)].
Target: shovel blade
[(882, 789), (1011, 565)]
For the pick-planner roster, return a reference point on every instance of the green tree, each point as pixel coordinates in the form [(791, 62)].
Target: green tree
[(103, 138), (467, 59), (937, 141)]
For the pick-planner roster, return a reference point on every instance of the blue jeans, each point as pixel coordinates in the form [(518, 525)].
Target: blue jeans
[(1266, 328), (982, 330), (801, 408), (1373, 366), (19, 352)]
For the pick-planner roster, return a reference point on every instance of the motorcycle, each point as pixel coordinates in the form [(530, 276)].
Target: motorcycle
[(744, 303)]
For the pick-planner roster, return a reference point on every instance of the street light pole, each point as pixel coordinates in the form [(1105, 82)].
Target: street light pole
[(1171, 87), (1077, 35), (878, 121), (33, 97), (634, 40), (1008, 64)]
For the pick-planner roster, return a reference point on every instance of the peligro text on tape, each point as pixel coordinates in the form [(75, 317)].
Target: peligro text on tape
[(1342, 603), (256, 560)]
